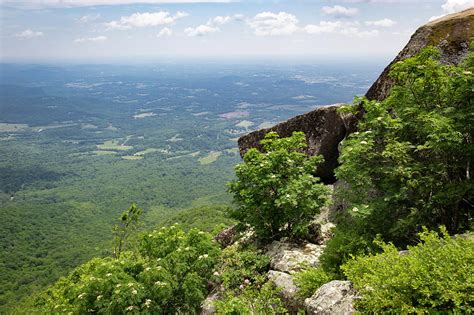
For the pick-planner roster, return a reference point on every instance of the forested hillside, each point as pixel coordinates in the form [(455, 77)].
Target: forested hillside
[(79, 144), (403, 241)]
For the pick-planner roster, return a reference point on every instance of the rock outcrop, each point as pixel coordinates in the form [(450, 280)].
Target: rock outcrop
[(289, 257), (451, 34), (325, 128), (227, 236), (288, 290), (335, 297)]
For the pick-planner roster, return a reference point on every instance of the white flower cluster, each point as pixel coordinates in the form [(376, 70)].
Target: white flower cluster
[(160, 283)]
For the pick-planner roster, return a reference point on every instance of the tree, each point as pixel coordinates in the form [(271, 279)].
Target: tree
[(275, 191), (409, 164), (129, 222)]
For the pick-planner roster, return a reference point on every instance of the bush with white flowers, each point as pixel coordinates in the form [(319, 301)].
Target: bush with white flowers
[(168, 275)]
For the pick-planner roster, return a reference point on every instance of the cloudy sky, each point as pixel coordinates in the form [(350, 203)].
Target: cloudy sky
[(101, 30)]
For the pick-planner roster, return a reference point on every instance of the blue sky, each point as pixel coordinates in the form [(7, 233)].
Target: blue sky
[(108, 30)]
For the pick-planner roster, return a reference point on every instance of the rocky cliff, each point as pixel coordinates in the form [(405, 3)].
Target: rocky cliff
[(451, 34), (325, 128)]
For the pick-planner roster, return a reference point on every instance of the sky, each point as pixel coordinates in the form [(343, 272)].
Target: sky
[(129, 30)]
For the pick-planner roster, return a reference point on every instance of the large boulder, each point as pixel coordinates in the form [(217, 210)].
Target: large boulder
[(451, 34), (288, 257), (335, 297), (324, 127)]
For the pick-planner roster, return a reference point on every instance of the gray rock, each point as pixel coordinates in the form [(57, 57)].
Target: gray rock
[(335, 297), (327, 232), (207, 306), (289, 257), (227, 236), (284, 282), (324, 128)]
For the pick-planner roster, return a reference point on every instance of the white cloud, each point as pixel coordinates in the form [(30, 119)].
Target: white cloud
[(382, 23), (452, 6), (349, 29), (384, 1), (90, 39), (354, 31), (146, 19), (220, 20), (200, 30), (39, 4), (212, 25), (273, 24), (238, 17), (323, 27), (268, 23), (27, 34), (339, 11), (166, 31), (89, 18)]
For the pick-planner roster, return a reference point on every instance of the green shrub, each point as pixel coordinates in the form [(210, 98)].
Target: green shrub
[(237, 266), (408, 164), (251, 299), (435, 276), (169, 275), (275, 191), (309, 280), (348, 241)]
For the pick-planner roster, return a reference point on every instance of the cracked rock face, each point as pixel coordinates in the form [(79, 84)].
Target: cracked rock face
[(288, 257), (335, 297)]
